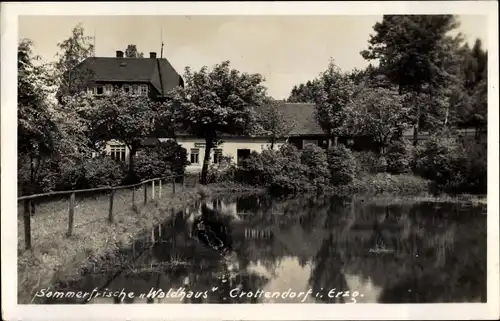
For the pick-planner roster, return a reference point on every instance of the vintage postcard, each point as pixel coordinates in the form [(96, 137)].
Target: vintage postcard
[(250, 161)]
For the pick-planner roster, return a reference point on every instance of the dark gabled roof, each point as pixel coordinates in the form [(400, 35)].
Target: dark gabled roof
[(157, 71), (302, 114), (304, 117)]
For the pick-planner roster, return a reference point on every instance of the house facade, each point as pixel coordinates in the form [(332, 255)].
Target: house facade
[(152, 77), (235, 148)]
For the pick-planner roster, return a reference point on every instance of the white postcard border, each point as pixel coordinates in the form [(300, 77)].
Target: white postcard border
[(9, 39)]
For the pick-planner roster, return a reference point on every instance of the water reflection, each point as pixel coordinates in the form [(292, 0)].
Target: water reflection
[(305, 250)]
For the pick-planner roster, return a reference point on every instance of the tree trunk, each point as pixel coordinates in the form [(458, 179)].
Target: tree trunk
[(446, 115), (131, 169), (272, 143), (417, 119), (32, 170), (335, 141), (206, 159)]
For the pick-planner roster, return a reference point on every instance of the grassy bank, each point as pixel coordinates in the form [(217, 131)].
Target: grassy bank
[(404, 184), (390, 199), (55, 257)]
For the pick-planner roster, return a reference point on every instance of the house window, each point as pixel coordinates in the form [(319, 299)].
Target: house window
[(195, 156), (310, 141), (118, 152), (143, 90), (99, 90), (217, 155), (90, 91), (242, 154), (108, 90), (217, 204), (135, 90), (126, 89)]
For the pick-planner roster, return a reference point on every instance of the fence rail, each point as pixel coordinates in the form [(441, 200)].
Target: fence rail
[(29, 201)]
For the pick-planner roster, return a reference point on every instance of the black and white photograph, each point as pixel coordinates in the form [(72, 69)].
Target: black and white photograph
[(256, 163)]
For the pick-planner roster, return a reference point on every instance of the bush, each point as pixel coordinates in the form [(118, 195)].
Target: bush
[(258, 169), (47, 177), (281, 170), (223, 171), (434, 160), (316, 162), (342, 165), (165, 159), (369, 162), (454, 166), (91, 173), (399, 156)]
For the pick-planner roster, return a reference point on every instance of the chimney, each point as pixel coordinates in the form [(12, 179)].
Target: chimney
[(152, 55), (119, 54)]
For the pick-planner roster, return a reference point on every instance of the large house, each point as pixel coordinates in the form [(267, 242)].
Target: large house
[(151, 76), (154, 77)]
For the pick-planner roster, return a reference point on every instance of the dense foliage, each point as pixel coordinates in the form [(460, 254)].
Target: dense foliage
[(342, 165), (453, 165), (217, 101), (163, 160)]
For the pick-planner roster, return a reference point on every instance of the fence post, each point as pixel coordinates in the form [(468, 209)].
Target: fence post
[(153, 190), (27, 224), (71, 213), (145, 193), (111, 198), (32, 207), (173, 185), (133, 196), (159, 189)]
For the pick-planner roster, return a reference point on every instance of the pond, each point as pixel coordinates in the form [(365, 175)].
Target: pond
[(321, 249)]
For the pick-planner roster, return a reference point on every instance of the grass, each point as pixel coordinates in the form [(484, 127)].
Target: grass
[(384, 183), (55, 257), (391, 199)]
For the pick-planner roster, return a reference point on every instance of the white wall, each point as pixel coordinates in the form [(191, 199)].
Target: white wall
[(229, 147)]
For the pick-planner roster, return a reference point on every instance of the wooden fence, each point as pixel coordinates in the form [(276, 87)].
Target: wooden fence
[(156, 185)]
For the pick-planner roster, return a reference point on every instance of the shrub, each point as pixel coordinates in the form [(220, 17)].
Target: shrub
[(342, 165), (223, 171), (164, 159), (398, 156), (46, 178), (315, 160), (91, 173), (434, 160), (369, 162), (258, 169), (452, 165), (280, 170)]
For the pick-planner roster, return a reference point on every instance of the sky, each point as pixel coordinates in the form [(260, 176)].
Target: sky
[(287, 50)]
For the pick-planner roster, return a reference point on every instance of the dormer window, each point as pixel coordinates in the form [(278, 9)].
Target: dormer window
[(108, 90)]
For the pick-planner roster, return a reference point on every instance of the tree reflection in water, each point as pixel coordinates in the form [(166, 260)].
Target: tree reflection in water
[(424, 252)]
